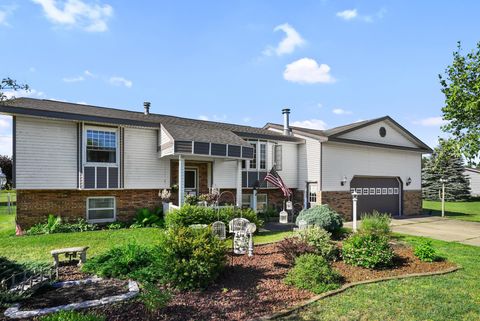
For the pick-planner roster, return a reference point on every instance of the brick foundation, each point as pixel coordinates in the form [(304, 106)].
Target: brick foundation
[(412, 202), (341, 202), (33, 206)]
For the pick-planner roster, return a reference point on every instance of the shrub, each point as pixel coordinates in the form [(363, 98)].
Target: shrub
[(293, 247), (191, 199), (425, 252), (312, 272), (115, 226), (55, 224), (72, 316), (127, 261), (376, 223), (190, 214), (190, 259), (367, 250), (320, 240), (153, 297), (148, 218), (322, 216)]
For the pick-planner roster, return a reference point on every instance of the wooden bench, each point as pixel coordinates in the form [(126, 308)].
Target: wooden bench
[(70, 252)]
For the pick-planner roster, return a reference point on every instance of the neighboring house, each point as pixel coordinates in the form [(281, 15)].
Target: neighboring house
[(474, 176), (103, 164)]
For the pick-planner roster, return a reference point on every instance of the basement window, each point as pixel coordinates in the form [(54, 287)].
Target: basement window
[(101, 209)]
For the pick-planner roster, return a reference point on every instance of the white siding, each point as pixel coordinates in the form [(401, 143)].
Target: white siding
[(143, 168), (164, 138), (289, 172), (349, 160), (224, 174), (46, 154), (309, 155), (371, 134), (474, 182)]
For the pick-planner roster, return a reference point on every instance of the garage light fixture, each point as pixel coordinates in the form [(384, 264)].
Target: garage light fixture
[(343, 181), (408, 181)]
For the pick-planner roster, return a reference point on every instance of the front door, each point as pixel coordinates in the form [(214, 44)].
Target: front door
[(191, 175), (312, 190)]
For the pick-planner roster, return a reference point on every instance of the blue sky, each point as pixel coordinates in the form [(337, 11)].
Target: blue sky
[(331, 62)]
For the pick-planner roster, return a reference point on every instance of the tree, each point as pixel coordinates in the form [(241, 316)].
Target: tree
[(10, 84), (6, 166), (461, 87), (444, 165)]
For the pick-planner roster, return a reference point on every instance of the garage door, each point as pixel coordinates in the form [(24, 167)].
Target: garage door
[(377, 193)]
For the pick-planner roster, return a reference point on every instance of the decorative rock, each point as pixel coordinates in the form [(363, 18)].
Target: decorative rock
[(14, 311)]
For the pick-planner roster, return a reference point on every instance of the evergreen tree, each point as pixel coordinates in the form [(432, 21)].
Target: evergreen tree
[(449, 167)]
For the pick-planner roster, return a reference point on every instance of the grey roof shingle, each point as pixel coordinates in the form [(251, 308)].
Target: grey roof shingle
[(60, 109), (192, 133)]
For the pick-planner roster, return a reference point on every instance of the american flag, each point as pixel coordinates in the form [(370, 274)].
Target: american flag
[(275, 179)]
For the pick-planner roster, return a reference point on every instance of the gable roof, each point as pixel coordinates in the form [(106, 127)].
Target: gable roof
[(333, 134), (81, 112), (473, 170)]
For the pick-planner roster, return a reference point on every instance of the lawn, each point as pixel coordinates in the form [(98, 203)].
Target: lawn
[(37, 248), (454, 296), (4, 196), (466, 211)]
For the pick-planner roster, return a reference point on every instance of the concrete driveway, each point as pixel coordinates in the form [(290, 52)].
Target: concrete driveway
[(438, 228)]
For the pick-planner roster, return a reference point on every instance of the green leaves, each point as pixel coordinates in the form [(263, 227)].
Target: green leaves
[(461, 87)]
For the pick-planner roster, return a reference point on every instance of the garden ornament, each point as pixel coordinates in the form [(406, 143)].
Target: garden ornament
[(251, 228), (238, 226)]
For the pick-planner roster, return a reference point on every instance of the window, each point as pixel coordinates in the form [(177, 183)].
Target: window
[(262, 201), (101, 209), (277, 157), (253, 161), (101, 146), (263, 156)]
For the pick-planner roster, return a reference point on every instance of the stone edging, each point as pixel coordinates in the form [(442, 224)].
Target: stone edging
[(304, 304), (15, 313)]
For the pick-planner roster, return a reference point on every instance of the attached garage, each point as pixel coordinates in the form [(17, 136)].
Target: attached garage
[(383, 194)]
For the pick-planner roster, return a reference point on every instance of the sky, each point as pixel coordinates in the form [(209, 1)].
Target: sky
[(331, 62)]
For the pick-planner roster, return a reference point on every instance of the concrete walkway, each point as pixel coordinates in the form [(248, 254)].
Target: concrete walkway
[(438, 228)]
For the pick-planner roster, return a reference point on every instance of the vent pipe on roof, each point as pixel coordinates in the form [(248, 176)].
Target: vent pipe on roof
[(146, 106), (286, 122)]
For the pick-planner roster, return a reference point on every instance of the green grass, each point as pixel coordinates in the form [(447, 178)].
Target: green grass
[(37, 248), (454, 296), (4, 196), (465, 211)]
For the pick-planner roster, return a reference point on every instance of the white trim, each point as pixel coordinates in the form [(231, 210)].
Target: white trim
[(117, 147), (106, 208)]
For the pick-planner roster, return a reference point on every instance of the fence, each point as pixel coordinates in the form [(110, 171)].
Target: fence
[(8, 202)]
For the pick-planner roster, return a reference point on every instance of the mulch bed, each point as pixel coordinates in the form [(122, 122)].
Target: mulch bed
[(250, 288), (51, 297)]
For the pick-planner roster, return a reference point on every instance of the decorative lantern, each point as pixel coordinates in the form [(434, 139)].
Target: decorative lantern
[(283, 217), (219, 229), (251, 228)]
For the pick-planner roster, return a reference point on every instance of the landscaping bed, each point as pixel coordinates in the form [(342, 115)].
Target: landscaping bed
[(52, 297), (254, 287)]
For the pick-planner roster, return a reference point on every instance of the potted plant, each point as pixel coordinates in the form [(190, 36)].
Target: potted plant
[(165, 196)]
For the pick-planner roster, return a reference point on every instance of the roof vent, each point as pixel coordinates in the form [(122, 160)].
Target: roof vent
[(146, 106), (287, 131)]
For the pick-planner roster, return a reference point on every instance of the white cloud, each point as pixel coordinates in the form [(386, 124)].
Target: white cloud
[(5, 12), (5, 122), (352, 14), (310, 123), (307, 71), (6, 145), (288, 44), (77, 13), (89, 74), (217, 118), (73, 79), (340, 111), (348, 14), (431, 121), (120, 81), (24, 93)]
